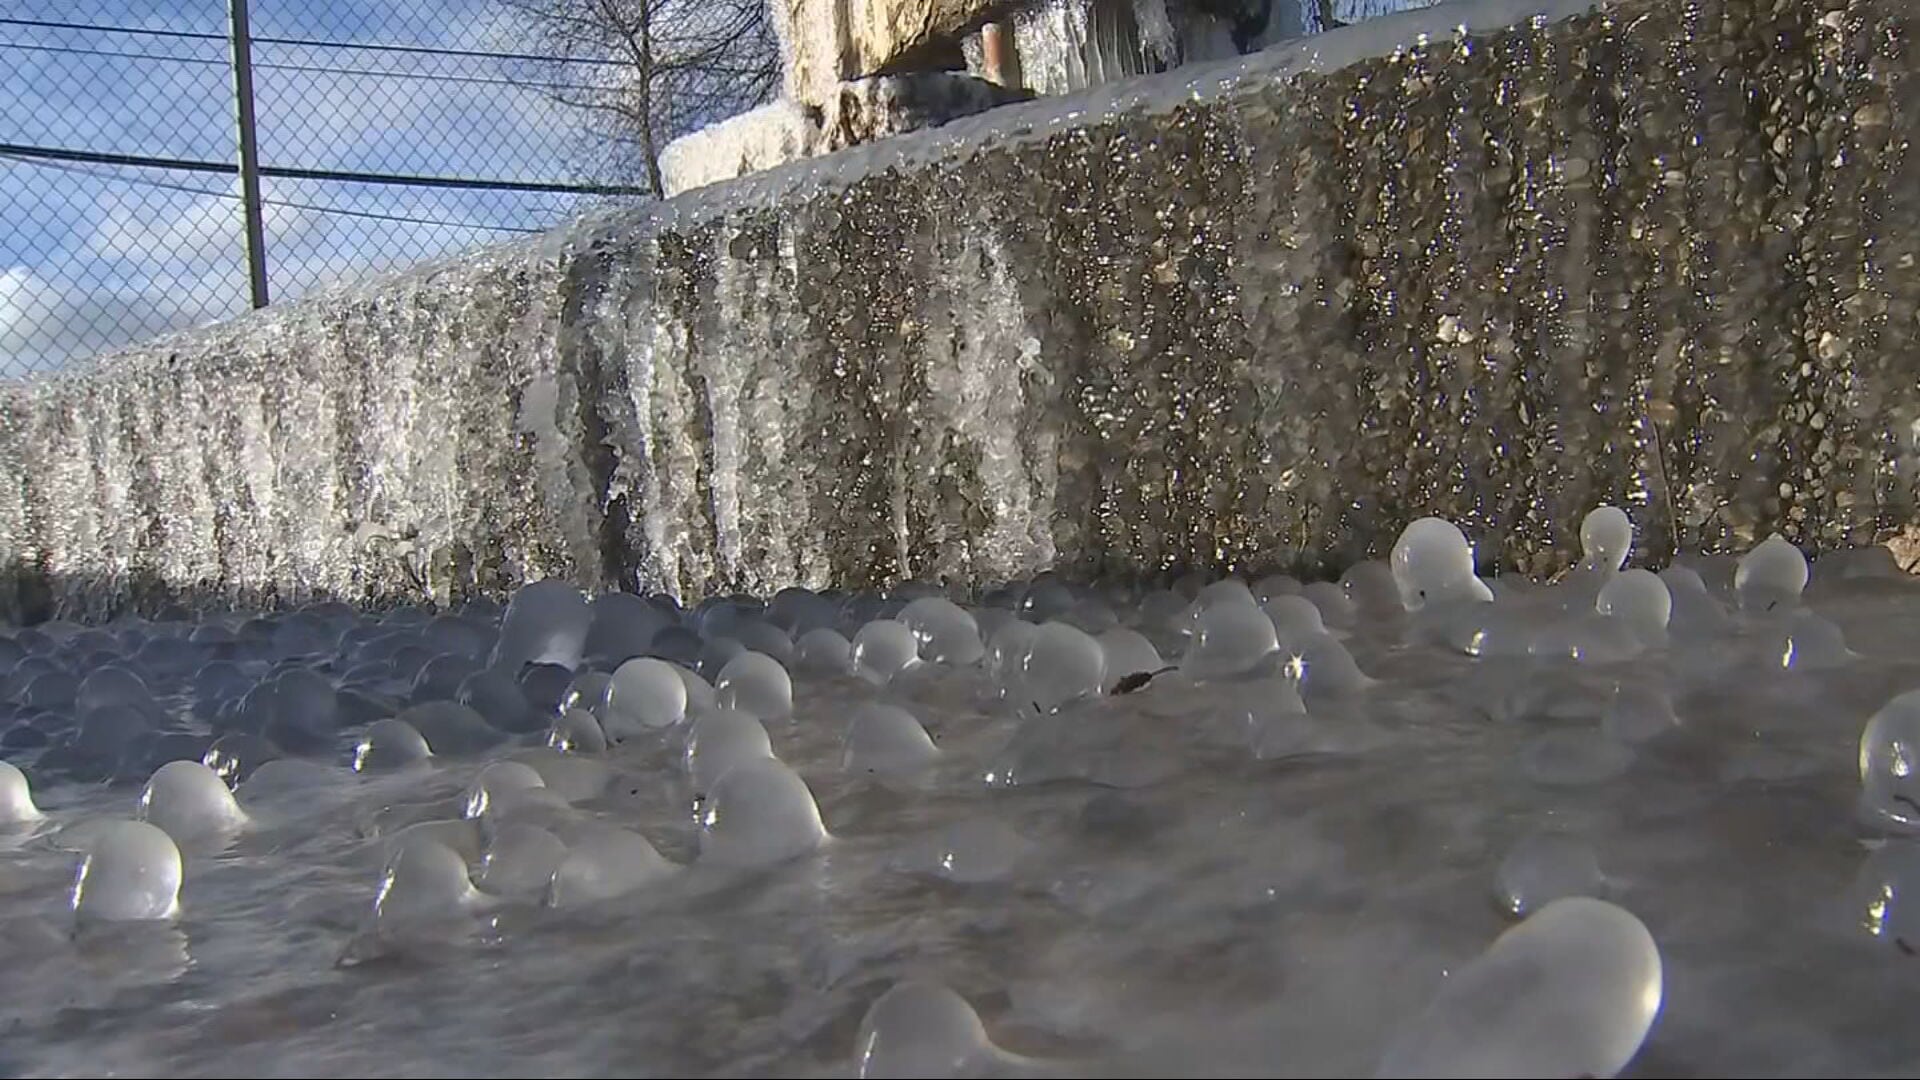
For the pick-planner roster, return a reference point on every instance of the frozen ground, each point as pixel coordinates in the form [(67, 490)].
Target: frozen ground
[(1259, 862)]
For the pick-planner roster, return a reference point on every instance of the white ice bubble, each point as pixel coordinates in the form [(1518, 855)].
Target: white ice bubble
[(924, 1030), (721, 740), (1274, 585), (1324, 668), (16, 797), (131, 872), (1640, 600), (1337, 609), (1570, 991), (1807, 642), (1544, 866), (646, 693), (1606, 538), (1890, 763), (547, 623), (823, 651), (520, 861), (760, 813), (425, 883), (604, 862), (1229, 638), (946, 633), (501, 786), (1007, 656), (389, 744), (886, 740), (190, 802), (1294, 617), (1884, 899), (883, 649), (1432, 563), (577, 731), (1128, 652), (701, 698), (1064, 665), (1771, 576), (757, 684)]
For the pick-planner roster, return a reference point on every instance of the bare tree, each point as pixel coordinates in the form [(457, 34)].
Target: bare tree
[(683, 64)]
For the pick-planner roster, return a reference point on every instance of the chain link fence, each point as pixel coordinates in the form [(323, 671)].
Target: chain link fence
[(388, 133)]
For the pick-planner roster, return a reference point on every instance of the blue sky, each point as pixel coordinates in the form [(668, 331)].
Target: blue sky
[(96, 256)]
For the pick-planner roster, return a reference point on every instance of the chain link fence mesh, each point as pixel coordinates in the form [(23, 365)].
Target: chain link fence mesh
[(118, 142)]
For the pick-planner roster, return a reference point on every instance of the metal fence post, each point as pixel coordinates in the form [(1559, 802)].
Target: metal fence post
[(249, 150)]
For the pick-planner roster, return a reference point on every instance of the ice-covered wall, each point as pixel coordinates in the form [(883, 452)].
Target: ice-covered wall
[(1249, 315)]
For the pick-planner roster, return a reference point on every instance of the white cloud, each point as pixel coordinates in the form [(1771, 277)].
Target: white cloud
[(44, 323)]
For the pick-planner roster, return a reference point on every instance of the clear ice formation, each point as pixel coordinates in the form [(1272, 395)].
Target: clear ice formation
[(1570, 991), (921, 1029), (390, 744), (1129, 805), (604, 862), (131, 873), (646, 692), (759, 814), (16, 797), (190, 801), (721, 740), (756, 684), (882, 649), (886, 740)]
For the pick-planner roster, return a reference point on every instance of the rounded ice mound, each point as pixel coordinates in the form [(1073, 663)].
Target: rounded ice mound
[(16, 797), (823, 651), (1007, 656), (109, 686), (452, 729), (577, 731), (546, 622), (603, 862), (500, 786), (389, 744), (1337, 609), (946, 633), (1809, 641), (1771, 576), (921, 1030), (755, 683), (1884, 899), (886, 740), (189, 801), (1294, 617), (1606, 538), (1570, 991), (1545, 866), (1890, 763), (647, 693), (721, 740), (1433, 564), (883, 649), (1640, 600), (1064, 665), (1128, 653), (131, 872), (425, 883), (1324, 667), (520, 860), (1229, 638), (760, 814)]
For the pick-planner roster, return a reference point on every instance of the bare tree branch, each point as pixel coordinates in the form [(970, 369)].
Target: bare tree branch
[(685, 64)]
